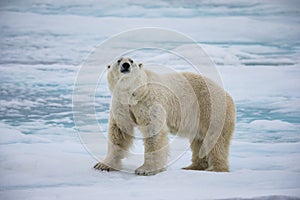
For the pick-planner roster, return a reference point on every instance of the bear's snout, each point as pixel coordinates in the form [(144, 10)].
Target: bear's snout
[(125, 67)]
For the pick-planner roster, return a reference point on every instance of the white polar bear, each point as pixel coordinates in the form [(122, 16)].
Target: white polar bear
[(184, 104)]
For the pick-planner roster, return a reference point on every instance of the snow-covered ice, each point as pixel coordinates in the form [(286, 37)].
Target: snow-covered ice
[(255, 45)]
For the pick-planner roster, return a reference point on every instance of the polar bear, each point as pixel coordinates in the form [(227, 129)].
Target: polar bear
[(184, 104)]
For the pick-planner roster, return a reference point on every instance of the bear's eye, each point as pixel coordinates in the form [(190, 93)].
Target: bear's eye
[(108, 66), (119, 61), (131, 61)]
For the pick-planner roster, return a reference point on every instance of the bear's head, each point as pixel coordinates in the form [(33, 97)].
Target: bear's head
[(126, 79)]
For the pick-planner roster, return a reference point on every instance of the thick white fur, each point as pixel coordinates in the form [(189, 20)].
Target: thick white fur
[(184, 104)]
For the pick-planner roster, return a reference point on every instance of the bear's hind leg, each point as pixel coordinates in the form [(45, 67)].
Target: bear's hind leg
[(197, 163), (218, 157)]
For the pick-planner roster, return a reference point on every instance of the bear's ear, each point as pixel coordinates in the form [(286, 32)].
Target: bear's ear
[(108, 66), (140, 65)]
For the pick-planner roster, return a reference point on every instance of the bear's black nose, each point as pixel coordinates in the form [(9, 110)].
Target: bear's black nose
[(125, 65)]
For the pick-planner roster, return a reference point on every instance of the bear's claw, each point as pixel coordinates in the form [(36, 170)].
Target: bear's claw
[(147, 172), (103, 167), (193, 167)]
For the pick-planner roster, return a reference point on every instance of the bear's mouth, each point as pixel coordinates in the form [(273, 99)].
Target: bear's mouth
[(124, 70)]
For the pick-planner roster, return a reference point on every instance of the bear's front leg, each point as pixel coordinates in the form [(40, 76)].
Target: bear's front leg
[(118, 145), (156, 153)]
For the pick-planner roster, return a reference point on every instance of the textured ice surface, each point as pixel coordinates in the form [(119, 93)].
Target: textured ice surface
[(255, 45)]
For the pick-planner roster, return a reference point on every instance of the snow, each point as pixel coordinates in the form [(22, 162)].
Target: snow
[(47, 169), (276, 125), (255, 45)]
